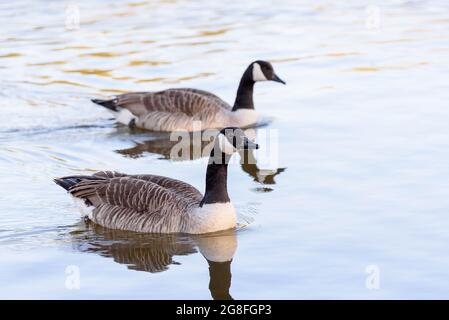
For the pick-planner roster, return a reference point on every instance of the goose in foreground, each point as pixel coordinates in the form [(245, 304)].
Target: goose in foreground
[(179, 109), (156, 204)]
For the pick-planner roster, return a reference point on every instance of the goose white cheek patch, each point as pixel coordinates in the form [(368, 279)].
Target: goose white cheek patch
[(257, 73), (225, 145)]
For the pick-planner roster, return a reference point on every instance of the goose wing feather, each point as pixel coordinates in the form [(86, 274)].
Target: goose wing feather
[(175, 109), (142, 203)]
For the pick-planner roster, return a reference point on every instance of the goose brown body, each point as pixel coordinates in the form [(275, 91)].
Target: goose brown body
[(140, 203), (177, 109), (186, 109)]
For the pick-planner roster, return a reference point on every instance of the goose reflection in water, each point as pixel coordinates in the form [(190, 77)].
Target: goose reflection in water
[(155, 252), (196, 149)]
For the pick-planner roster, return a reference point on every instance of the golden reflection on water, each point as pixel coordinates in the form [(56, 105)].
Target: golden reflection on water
[(112, 91), (157, 79), (77, 47), (53, 82), (192, 43), (11, 55), (103, 54), (94, 53), (195, 76), (213, 33), (49, 63)]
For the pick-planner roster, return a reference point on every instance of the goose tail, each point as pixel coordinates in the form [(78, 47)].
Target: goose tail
[(109, 104)]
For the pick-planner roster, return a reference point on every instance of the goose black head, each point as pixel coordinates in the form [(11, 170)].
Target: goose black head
[(231, 139), (263, 71)]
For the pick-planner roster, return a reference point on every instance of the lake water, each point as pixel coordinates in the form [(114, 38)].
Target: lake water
[(356, 207)]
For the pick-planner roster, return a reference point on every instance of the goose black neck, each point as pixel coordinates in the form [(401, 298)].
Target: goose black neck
[(216, 179), (244, 99)]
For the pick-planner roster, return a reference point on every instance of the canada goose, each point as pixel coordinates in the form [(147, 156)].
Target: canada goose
[(179, 109), (150, 203), (156, 252), (249, 165)]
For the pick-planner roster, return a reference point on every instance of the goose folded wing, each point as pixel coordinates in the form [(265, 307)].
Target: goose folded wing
[(187, 101), (174, 185), (129, 192), (151, 253)]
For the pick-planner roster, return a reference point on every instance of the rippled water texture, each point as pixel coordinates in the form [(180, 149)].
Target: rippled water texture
[(361, 188)]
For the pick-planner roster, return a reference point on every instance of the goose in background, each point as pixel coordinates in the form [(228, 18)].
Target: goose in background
[(156, 204), (155, 253), (189, 149), (178, 109)]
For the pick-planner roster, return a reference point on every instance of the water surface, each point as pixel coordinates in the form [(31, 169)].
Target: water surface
[(362, 178)]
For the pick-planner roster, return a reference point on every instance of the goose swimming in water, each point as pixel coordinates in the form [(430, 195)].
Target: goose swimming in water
[(157, 252), (178, 109), (150, 203)]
